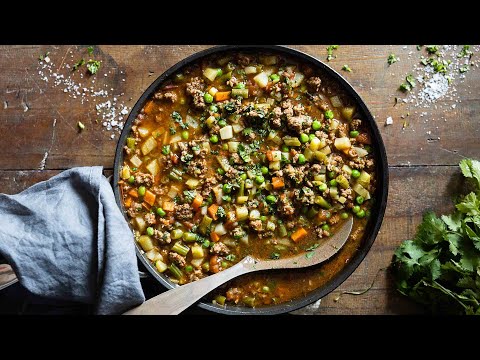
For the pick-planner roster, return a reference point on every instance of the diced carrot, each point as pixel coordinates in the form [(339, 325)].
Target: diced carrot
[(299, 234), (212, 211), (168, 205), (174, 158), (146, 206), (149, 198), (277, 183), (128, 202), (214, 236), (214, 268), (197, 202), (149, 107), (156, 179), (269, 155), (222, 95), (133, 193)]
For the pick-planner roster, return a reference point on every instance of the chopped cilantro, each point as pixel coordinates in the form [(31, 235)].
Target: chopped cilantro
[(78, 64), (221, 213), (274, 256), (392, 59), (42, 57), (346, 68), (178, 119), (172, 130), (419, 47), (189, 195), (463, 69), (313, 247), (230, 257), (466, 52), (186, 158), (90, 50), (166, 149), (93, 66), (411, 80), (309, 254), (330, 49), (81, 126), (409, 84), (432, 49)]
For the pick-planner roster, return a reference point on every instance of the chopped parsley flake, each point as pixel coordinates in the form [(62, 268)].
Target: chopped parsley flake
[(432, 49), (330, 49), (93, 66), (178, 119), (392, 59), (274, 256), (346, 68), (78, 64), (466, 52), (90, 50)]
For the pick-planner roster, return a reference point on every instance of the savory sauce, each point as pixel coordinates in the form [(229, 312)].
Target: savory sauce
[(247, 154)]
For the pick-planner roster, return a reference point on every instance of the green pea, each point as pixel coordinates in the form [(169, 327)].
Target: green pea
[(323, 187), (259, 179), (150, 231), (219, 72), (325, 227), (361, 214), (271, 199), (222, 123), (328, 114), (274, 77), (243, 176), (285, 148), (359, 200), (161, 212), (141, 190), (240, 86), (131, 179), (227, 188), (316, 125), (208, 98), (224, 146), (265, 289), (189, 268), (344, 215), (185, 135), (333, 182), (303, 138), (301, 159), (214, 139), (213, 108), (206, 244), (224, 264), (311, 137), (354, 133), (263, 218), (331, 174), (264, 170), (227, 198), (356, 209), (221, 171), (355, 173)]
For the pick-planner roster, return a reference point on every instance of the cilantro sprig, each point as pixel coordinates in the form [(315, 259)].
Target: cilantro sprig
[(440, 266)]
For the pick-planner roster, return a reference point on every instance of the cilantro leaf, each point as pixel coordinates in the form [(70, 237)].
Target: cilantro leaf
[(346, 68), (330, 49), (93, 66), (90, 50), (78, 64), (471, 169), (392, 59)]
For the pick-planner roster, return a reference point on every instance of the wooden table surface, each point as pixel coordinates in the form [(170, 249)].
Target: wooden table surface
[(40, 138)]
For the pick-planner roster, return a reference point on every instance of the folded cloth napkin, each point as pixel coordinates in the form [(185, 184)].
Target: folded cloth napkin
[(66, 239)]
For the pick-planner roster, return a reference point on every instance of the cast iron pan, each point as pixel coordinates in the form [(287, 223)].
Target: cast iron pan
[(377, 212)]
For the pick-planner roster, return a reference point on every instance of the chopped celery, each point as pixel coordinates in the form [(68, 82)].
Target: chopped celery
[(240, 92), (360, 190), (161, 266), (364, 179), (282, 230), (342, 181), (189, 237), (175, 271), (291, 141), (319, 200), (176, 234), (220, 300), (210, 73), (347, 113), (204, 224), (180, 249)]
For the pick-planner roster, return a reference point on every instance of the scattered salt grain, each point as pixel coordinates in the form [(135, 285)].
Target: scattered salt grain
[(389, 121)]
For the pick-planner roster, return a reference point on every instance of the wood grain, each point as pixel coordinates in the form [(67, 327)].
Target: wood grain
[(37, 118)]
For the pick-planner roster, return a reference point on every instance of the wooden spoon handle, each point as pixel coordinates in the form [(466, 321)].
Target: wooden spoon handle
[(174, 301)]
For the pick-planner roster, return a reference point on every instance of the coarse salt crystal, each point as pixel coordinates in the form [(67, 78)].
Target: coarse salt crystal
[(389, 121)]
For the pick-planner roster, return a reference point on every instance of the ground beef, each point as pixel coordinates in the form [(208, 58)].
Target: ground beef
[(287, 108), (183, 212), (285, 206), (297, 123), (316, 169), (276, 117), (159, 190), (171, 96), (234, 294), (231, 173), (357, 163), (236, 158), (238, 233), (342, 130), (347, 193), (195, 88), (334, 219), (163, 237), (144, 179), (134, 209), (208, 186), (128, 151), (314, 83), (197, 274), (298, 109), (296, 174), (197, 168), (243, 59), (177, 259), (320, 232), (256, 225), (220, 248), (150, 219), (232, 82), (305, 195), (369, 163), (355, 124), (321, 103)]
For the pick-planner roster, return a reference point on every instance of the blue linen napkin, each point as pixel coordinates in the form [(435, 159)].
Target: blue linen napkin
[(67, 239)]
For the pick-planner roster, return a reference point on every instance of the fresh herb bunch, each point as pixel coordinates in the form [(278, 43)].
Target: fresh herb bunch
[(440, 267)]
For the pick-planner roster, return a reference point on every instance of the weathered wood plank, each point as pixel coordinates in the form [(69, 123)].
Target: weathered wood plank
[(412, 191), (33, 106)]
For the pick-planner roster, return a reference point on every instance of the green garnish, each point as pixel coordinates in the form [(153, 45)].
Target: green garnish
[(90, 50), (440, 266), (274, 256), (463, 69), (330, 49), (419, 47), (392, 59), (78, 64), (409, 84), (178, 119), (465, 52), (81, 126), (432, 49), (93, 66), (346, 68), (42, 57), (309, 254), (172, 130)]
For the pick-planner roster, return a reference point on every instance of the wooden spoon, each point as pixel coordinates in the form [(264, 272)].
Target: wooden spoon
[(174, 301)]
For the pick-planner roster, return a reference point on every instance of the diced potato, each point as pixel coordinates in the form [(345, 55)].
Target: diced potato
[(210, 73), (361, 151), (237, 128), (226, 132), (315, 144), (254, 214), (364, 179), (347, 169), (297, 79), (240, 92), (342, 143), (261, 79), (197, 262), (223, 163), (197, 252), (135, 160), (125, 173), (175, 138), (217, 190), (143, 132), (274, 165), (286, 155), (192, 183), (308, 154), (210, 121), (212, 91), (333, 192), (268, 60), (220, 229), (190, 120), (326, 150), (241, 212), (161, 266), (154, 255), (242, 200), (233, 146), (153, 167), (336, 102), (172, 193), (140, 223), (250, 70), (347, 113), (342, 199), (334, 124), (276, 155), (360, 190), (270, 226), (148, 145), (145, 242)]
